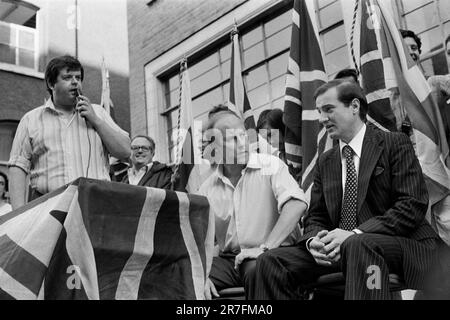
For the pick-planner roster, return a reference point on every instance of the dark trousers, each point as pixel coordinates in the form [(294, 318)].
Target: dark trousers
[(224, 275), (366, 261)]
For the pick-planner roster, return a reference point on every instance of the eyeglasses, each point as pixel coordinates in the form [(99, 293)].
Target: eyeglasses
[(143, 148)]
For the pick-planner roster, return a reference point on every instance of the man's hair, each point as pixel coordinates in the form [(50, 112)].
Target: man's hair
[(152, 142), (217, 113), (411, 34), (347, 73), (262, 119), (346, 92), (56, 65), (273, 118), (447, 40)]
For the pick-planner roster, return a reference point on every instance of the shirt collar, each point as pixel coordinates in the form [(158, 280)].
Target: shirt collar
[(356, 143), (49, 105), (254, 162), (144, 168)]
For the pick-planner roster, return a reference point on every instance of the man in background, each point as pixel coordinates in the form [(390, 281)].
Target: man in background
[(144, 171)]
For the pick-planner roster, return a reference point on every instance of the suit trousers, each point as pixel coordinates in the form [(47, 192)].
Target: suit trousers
[(366, 261), (224, 275)]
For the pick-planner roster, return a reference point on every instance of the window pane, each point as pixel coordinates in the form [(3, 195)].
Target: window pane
[(225, 67), (431, 40), (204, 65), (337, 60), (278, 87), (334, 39), (278, 65), (422, 19), (225, 53), (278, 23), (444, 8), (253, 55), (7, 54), (26, 58), (259, 96), (5, 34), (205, 102), (174, 81), (205, 81), (278, 104), (330, 15), (26, 40), (252, 37), (256, 77), (279, 42), (323, 3), (409, 5)]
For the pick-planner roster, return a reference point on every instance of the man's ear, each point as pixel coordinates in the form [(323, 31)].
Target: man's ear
[(356, 106)]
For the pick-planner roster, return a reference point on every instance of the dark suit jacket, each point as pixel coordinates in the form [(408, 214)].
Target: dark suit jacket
[(159, 176), (392, 196)]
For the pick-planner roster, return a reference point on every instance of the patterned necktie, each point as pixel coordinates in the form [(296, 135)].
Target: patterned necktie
[(348, 214)]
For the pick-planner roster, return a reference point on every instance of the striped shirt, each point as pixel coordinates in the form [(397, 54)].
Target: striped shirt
[(56, 150)]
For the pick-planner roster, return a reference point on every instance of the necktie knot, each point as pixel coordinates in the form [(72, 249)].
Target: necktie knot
[(348, 152)]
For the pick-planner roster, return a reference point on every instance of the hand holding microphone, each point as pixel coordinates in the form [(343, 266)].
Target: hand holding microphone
[(85, 109)]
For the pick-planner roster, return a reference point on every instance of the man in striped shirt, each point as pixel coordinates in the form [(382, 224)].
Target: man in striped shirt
[(66, 138)]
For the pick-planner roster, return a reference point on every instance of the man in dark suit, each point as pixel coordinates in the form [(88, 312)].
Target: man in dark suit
[(367, 213), (144, 171)]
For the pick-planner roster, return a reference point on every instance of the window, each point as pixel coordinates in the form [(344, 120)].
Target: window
[(430, 20), (264, 53), (332, 34), (18, 45)]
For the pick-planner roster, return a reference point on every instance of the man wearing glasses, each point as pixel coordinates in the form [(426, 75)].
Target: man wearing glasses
[(144, 171)]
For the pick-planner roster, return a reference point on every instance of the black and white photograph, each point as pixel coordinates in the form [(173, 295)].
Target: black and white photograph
[(251, 153)]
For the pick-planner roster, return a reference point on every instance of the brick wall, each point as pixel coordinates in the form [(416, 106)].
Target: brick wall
[(19, 94), (153, 29)]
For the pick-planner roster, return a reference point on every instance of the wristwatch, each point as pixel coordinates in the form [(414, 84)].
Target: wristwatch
[(264, 247)]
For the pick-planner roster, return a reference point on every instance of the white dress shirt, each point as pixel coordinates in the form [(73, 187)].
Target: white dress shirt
[(246, 214), (134, 176)]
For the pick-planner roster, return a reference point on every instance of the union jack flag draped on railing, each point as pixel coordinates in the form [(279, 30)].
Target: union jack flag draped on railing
[(105, 240)]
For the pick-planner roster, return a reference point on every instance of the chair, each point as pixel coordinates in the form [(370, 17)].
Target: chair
[(236, 293), (333, 284)]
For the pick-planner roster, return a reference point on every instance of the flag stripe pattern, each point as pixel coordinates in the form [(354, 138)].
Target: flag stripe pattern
[(105, 240), (306, 72), (398, 93)]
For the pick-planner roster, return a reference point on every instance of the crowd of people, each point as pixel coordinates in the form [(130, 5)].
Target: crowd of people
[(367, 206)]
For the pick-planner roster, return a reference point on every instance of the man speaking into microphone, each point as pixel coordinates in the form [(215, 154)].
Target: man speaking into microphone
[(66, 138)]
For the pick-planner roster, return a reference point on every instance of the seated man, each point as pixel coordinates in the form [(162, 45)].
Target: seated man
[(367, 214), (144, 171), (256, 202)]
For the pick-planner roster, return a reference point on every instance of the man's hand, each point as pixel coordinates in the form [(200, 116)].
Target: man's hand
[(251, 253), (333, 241), (84, 107), (316, 248), (210, 290)]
